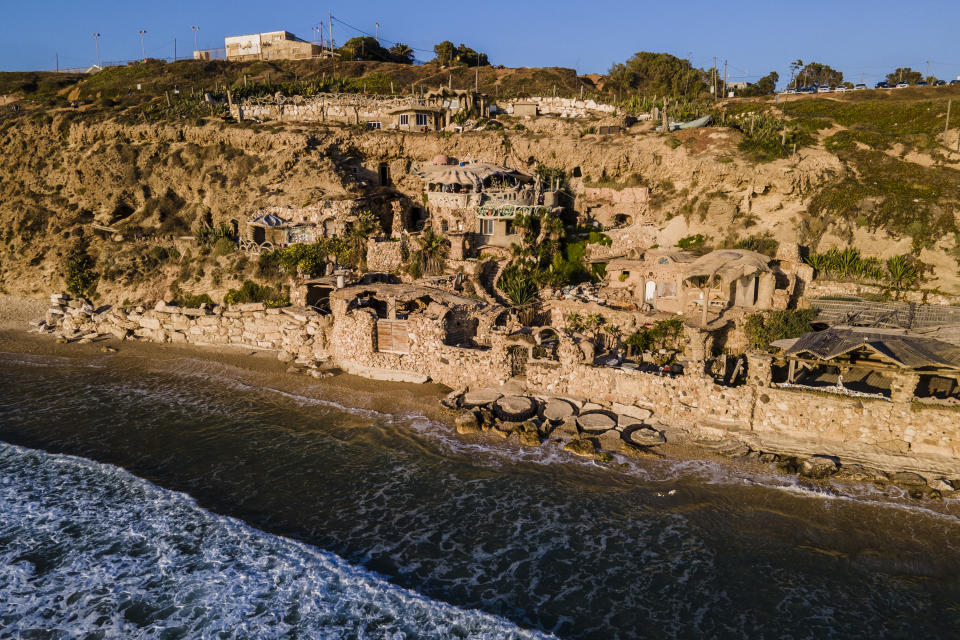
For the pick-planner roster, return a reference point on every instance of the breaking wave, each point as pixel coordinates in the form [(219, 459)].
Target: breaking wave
[(87, 548)]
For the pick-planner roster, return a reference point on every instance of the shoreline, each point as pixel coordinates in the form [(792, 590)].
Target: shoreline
[(433, 401)]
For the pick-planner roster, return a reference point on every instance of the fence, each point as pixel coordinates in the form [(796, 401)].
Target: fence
[(902, 315)]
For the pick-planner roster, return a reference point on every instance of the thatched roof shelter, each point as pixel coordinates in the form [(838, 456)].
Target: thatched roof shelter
[(900, 349)]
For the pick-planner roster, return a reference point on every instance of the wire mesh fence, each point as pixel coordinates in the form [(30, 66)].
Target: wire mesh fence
[(902, 315)]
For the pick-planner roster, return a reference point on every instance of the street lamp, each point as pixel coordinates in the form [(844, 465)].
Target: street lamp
[(143, 49), (195, 30), (96, 43)]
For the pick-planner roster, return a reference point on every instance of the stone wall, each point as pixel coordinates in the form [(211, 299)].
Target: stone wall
[(385, 255), (819, 288), (891, 435), (563, 107)]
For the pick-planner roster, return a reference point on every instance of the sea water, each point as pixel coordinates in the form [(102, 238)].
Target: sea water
[(180, 498)]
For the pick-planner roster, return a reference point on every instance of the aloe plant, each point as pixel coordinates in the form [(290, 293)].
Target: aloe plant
[(902, 273)]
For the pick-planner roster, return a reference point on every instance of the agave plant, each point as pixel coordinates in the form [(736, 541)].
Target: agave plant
[(819, 261), (846, 262), (518, 285), (902, 273)]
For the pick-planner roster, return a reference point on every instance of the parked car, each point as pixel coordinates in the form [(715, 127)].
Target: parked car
[(902, 85), (859, 86), (840, 89), (881, 85), (939, 83), (923, 83), (955, 81), (824, 89)]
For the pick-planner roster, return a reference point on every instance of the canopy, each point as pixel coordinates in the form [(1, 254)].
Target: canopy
[(907, 351), (469, 174), (268, 220), (728, 265)]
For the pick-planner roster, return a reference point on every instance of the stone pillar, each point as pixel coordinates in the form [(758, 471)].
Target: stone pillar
[(767, 285), (759, 369), (903, 386)]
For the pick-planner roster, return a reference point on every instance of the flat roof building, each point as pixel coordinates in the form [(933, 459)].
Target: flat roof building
[(271, 45)]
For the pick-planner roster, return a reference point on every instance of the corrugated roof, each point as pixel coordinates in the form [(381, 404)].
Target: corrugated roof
[(907, 351)]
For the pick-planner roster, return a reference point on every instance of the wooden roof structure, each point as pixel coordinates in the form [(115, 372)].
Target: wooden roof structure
[(902, 350)]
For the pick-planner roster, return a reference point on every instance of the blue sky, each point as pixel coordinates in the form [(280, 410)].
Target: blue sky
[(862, 39)]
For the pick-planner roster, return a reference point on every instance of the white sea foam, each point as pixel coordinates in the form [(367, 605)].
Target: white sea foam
[(86, 547)]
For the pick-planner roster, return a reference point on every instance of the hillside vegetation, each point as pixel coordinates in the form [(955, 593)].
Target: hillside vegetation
[(868, 169)]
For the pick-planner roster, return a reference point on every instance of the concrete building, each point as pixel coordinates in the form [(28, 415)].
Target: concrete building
[(273, 45)]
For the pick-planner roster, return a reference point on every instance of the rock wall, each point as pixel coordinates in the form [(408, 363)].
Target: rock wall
[(386, 256), (563, 107), (819, 288)]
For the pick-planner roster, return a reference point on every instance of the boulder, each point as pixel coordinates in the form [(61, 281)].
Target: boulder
[(609, 440), (467, 423), (557, 411), (480, 397), (529, 434), (581, 447), (908, 480), (515, 408), (640, 413), (944, 486), (596, 422), (567, 429), (817, 467), (644, 437)]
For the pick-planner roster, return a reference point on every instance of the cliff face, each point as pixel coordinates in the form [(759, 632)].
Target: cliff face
[(63, 175)]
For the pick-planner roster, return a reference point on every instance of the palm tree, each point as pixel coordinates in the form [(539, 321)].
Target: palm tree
[(366, 226), (431, 257), (402, 52)]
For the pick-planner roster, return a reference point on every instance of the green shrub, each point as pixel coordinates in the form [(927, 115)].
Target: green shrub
[(663, 334), (250, 291), (81, 278), (765, 327), (691, 242)]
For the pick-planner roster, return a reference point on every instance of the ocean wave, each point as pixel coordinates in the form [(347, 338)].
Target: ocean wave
[(87, 548)]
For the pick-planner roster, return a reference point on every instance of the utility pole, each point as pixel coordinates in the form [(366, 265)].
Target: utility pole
[(714, 81), (58, 61), (174, 49), (196, 30), (96, 43), (143, 48), (330, 29), (378, 32), (928, 70), (724, 78)]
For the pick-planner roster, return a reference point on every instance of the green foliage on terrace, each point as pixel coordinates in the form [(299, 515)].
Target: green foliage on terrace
[(898, 273), (763, 243), (766, 135), (766, 327), (663, 334)]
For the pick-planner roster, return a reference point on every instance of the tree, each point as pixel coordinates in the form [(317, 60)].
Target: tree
[(795, 68), (444, 53), (661, 74), (402, 53), (904, 74), (821, 74), (430, 258), (763, 87), (364, 48), (621, 77)]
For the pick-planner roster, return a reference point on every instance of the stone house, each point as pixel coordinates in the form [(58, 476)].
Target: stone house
[(280, 226), (474, 204), (272, 45), (656, 278), (414, 118)]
